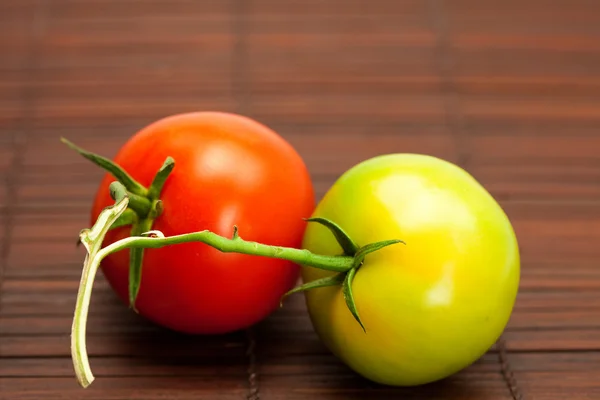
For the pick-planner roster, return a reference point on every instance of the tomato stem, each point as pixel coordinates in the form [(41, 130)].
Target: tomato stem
[(92, 240), (155, 239), (139, 207), (345, 265)]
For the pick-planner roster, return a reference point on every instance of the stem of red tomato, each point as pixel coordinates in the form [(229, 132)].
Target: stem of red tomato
[(345, 265), (92, 239)]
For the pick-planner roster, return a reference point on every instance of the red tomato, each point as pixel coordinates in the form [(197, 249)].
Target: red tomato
[(229, 170)]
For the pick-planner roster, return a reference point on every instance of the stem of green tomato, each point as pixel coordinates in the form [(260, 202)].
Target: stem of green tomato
[(155, 239), (93, 238)]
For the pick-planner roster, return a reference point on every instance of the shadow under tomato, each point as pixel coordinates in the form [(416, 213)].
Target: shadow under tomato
[(289, 358), (130, 345), (294, 363)]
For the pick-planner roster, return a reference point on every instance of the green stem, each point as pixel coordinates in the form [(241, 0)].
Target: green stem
[(144, 207), (93, 238), (237, 245)]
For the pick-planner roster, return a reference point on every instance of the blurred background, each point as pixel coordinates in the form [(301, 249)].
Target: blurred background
[(509, 90)]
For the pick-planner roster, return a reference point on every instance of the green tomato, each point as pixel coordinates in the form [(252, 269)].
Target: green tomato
[(430, 307)]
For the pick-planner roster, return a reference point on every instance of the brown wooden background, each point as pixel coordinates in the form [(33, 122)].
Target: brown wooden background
[(508, 89)]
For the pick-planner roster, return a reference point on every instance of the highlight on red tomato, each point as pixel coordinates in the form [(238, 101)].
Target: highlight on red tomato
[(228, 170)]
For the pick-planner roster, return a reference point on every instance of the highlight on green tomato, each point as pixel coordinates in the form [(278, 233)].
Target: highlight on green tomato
[(429, 308)]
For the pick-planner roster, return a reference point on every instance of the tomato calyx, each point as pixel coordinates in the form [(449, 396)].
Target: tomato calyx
[(143, 207), (344, 278)]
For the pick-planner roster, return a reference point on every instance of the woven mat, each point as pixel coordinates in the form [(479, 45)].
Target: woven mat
[(508, 89)]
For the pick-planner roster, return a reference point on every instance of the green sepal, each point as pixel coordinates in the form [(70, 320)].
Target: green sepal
[(350, 248), (332, 280), (119, 173), (136, 260), (136, 257), (359, 257), (372, 247), (349, 296), (160, 178)]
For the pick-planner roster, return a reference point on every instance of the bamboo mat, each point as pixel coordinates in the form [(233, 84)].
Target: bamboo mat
[(510, 90)]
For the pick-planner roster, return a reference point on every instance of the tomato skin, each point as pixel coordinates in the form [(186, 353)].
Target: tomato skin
[(430, 307), (229, 170)]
